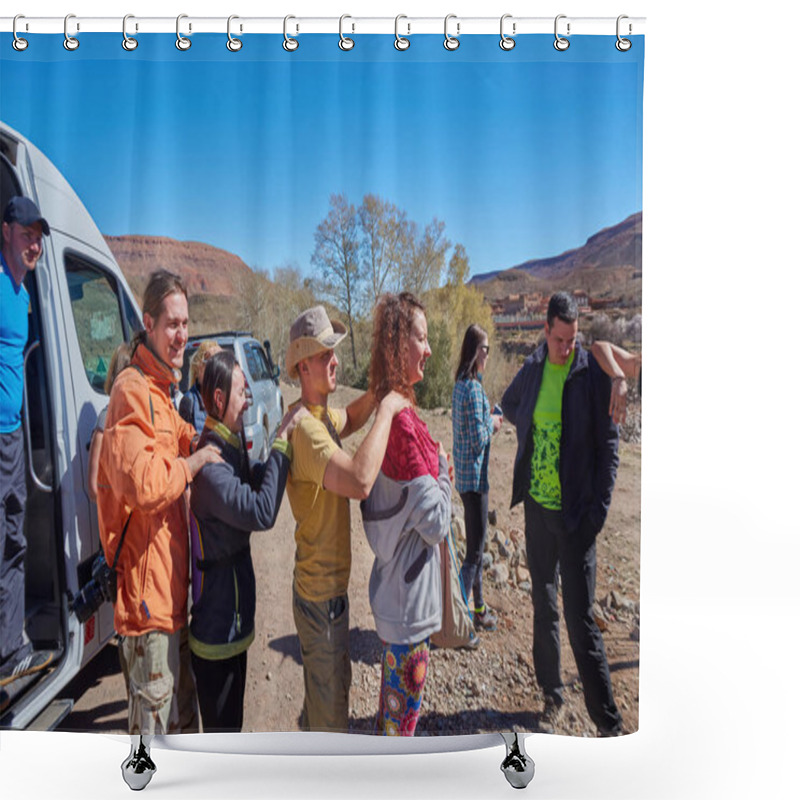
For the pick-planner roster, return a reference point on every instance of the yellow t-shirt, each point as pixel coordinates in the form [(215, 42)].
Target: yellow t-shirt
[(322, 560)]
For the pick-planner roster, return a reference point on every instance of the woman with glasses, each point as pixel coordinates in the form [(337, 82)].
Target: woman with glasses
[(473, 426)]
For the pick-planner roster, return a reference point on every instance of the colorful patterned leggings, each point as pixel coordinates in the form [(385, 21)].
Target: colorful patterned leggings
[(403, 672)]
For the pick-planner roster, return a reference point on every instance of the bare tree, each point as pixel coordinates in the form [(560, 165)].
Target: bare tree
[(424, 258), (383, 235), (336, 255)]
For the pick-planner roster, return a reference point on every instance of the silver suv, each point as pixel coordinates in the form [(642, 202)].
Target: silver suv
[(265, 401)]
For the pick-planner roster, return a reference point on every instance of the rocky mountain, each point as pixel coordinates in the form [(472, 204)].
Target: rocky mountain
[(609, 258), (205, 269)]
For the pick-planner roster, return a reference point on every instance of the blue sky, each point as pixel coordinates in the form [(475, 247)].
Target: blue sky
[(522, 154)]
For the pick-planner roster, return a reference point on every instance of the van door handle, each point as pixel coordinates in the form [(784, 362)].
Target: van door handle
[(43, 486)]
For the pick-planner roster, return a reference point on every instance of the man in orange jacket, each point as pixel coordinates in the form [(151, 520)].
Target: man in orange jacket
[(146, 464)]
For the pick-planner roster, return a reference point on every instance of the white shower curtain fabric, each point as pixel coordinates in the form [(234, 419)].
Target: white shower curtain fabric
[(481, 180)]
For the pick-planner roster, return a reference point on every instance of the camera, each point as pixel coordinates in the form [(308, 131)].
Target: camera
[(100, 587)]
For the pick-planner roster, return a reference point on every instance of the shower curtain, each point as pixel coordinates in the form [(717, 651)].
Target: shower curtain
[(283, 172)]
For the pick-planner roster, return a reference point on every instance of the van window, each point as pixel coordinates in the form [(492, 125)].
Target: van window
[(98, 319), (256, 362)]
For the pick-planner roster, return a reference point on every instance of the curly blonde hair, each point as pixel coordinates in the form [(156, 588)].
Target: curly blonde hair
[(207, 349), (391, 330)]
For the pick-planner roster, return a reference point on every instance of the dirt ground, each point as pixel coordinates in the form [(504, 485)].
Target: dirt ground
[(489, 689)]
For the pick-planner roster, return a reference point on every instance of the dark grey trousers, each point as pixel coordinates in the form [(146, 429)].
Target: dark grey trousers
[(14, 645), (551, 548)]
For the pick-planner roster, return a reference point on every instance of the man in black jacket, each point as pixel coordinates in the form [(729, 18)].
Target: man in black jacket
[(565, 469)]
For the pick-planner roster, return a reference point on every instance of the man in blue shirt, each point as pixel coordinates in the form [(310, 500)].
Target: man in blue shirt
[(22, 231)]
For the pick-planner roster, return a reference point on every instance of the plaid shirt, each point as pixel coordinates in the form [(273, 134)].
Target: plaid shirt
[(472, 433)]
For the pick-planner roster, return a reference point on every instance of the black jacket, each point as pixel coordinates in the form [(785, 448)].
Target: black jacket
[(589, 438), (227, 504)]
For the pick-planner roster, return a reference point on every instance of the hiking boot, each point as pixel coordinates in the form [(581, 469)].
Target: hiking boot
[(33, 662), (604, 733), (485, 619), (552, 715)]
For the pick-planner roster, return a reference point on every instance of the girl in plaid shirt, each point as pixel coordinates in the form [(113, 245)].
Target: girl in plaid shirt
[(473, 426)]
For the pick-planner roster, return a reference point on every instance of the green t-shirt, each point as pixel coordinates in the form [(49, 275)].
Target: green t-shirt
[(545, 462)]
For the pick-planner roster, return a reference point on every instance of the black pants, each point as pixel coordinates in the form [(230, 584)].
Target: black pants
[(14, 644), (476, 514), (220, 690), (551, 548)]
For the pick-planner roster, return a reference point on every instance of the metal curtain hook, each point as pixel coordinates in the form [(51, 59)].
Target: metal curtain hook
[(70, 42), (400, 42), (290, 44), (233, 44), (19, 43), (507, 42), (128, 42), (345, 43), (561, 43), (451, 42), (623, 45), (181, 42)]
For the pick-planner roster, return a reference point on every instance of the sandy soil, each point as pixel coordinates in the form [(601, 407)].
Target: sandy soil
[(492, 688)]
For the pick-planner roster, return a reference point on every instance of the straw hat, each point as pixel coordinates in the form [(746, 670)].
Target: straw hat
[(311, 333)]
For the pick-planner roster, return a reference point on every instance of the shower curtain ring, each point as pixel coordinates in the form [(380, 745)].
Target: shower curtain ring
[(290, 44), (128, 42), (70, 42), (561, 43), (233, 44), (401, 42), (345, 43), (181, 42), (19, 43), (507, 42), (451, 42), (623, 45)]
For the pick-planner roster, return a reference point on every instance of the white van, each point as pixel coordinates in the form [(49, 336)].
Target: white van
[(81, 310)]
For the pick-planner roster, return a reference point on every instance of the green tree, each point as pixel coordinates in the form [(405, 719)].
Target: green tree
[(436, 389)]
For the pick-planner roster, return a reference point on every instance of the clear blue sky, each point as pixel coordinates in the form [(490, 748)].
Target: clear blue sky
[(522, 154)]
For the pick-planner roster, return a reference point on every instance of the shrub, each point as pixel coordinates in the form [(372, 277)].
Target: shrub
[(436, 389)]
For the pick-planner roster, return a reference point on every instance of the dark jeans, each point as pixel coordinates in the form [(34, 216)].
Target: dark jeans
[(476, 514), (14, 645), (220, 690), (551, 548)]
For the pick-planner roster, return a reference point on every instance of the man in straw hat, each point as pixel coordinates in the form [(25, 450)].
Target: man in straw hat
[(322, 478)]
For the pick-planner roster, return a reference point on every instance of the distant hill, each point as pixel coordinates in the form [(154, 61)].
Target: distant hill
[(204, 269), (610, 261)]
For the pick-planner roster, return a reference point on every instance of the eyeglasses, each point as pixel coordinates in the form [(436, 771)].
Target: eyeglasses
[(485, 348)]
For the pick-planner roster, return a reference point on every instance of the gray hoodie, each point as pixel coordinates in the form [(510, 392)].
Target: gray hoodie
[(404, 522)]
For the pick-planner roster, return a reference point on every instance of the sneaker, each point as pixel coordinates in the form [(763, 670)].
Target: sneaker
[(552, 715), (33, 662), (473, 642), (485, 619), (604, 733)]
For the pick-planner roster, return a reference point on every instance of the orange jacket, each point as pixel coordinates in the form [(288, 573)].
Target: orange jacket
[(141, 469)]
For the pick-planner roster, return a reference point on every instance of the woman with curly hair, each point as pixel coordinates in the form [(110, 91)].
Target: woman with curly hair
[(406, 516)]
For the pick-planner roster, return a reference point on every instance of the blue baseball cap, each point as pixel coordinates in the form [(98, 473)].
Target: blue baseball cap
[(25, 212)]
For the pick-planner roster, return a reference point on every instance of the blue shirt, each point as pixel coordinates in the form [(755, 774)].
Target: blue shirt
[(472, 434), (14, 303)]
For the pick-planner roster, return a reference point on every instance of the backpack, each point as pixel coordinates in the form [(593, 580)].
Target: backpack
[(457, 627)]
